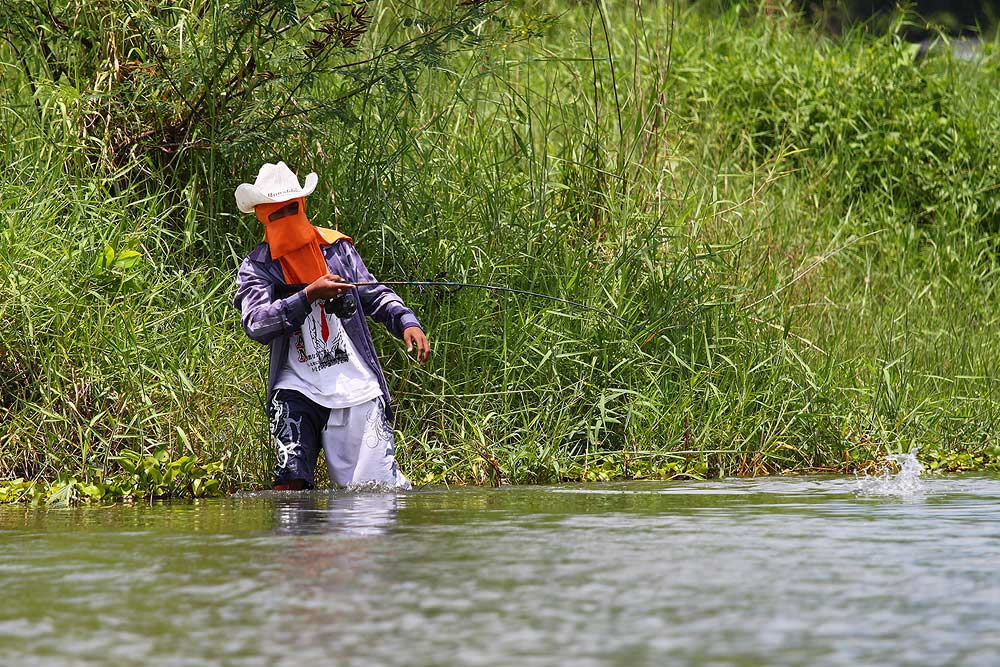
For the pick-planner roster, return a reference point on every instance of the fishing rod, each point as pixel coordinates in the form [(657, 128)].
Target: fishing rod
[(288, 290)]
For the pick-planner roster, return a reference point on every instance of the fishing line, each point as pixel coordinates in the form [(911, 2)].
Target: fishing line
[(493, 288)]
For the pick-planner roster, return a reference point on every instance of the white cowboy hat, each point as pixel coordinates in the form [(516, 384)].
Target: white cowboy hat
[(275, 183)]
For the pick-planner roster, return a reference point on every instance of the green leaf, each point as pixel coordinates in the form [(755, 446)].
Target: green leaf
[(126, 259)]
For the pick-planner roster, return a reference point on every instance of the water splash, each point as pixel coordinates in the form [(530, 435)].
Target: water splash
[(904, 484), (374, 487)]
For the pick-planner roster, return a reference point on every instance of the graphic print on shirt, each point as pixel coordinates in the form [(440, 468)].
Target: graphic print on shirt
[(300, 345), (287, 432), (329, 351)]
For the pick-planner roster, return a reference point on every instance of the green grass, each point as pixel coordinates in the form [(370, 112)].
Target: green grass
[(803, 229)]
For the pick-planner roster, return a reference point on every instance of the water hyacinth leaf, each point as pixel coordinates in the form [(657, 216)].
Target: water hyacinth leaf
[(92, 491), (60, 494)]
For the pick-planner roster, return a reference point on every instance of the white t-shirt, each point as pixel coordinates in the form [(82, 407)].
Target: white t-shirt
[(324, 365)]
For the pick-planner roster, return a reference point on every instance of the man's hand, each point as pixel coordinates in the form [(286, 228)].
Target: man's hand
[(326, 287), (415, 336)]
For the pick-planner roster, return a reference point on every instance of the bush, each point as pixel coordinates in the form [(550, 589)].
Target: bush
[(882, 124)]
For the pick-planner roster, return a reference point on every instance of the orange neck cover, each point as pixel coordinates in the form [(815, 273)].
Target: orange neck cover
[(294, 242)]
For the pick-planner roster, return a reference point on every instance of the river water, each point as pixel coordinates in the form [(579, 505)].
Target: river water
[(779, 571)]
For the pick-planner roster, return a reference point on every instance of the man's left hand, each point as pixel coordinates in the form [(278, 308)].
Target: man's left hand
[(415, 337)]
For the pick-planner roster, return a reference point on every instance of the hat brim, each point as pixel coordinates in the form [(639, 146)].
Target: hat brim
[(249, 195)]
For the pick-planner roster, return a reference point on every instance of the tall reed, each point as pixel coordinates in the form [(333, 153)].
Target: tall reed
[(802, 228)]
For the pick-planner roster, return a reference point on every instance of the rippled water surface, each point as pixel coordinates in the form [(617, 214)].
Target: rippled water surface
[(802, 571)]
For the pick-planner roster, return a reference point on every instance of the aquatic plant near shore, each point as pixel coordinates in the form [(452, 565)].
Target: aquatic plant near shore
[(152, 476)]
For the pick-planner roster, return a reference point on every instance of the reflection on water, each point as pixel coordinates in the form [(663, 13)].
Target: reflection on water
[(360, 514), (799, 571)]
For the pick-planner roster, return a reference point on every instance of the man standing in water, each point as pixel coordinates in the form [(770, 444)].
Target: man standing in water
[(325, 387)]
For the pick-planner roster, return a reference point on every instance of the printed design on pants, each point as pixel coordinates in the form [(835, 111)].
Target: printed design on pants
[(287, 432), (329, 352), (378, 430)]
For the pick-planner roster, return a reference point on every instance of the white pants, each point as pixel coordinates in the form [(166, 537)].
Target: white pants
[(360, 447)]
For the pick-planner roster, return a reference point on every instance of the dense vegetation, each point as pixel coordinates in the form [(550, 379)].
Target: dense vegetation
[(803, 229)]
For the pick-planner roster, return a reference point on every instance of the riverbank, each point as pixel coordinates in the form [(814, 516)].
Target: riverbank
[(804, 230)]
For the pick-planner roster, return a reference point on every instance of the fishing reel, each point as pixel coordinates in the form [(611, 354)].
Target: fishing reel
[(343, 306)]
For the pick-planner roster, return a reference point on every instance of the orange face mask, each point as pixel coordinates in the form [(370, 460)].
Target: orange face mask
[(293, 241)]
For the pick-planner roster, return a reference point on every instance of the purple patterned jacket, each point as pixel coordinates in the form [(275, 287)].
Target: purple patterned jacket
[(272, 321)]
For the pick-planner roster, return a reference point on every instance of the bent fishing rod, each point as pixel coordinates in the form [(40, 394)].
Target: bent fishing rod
[(288, 290)]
